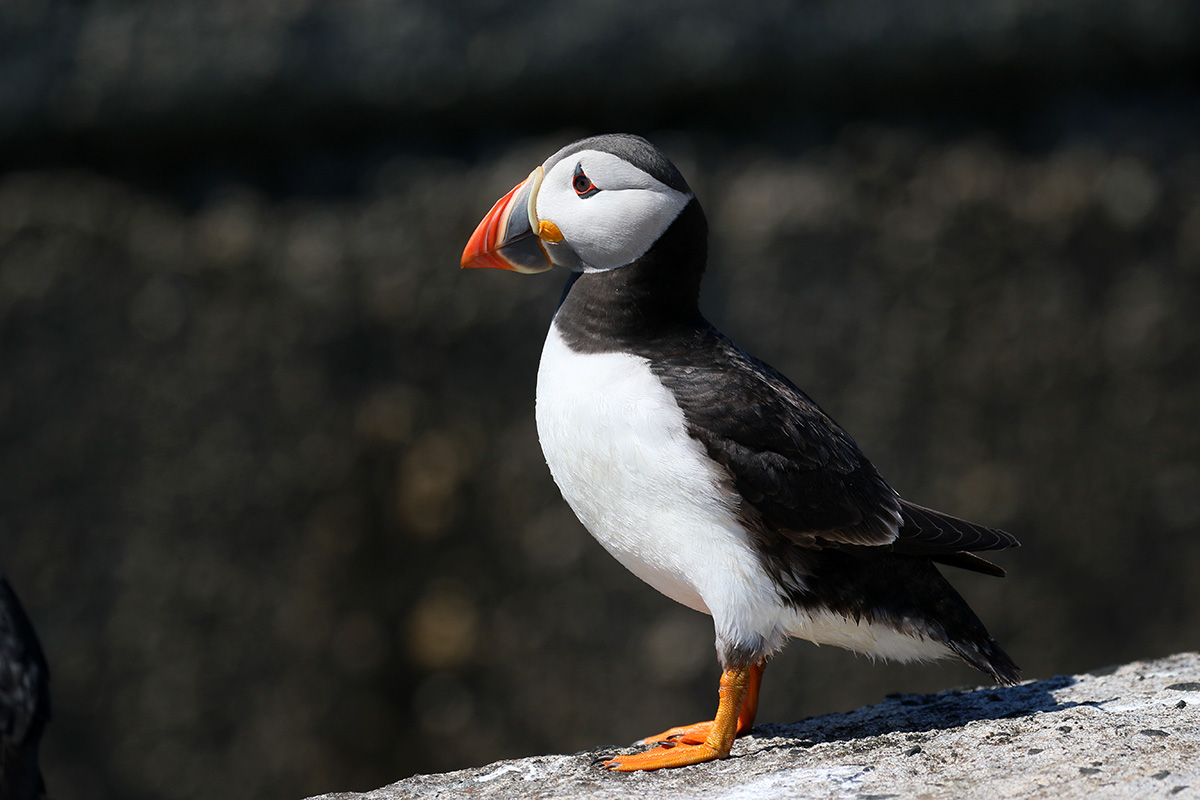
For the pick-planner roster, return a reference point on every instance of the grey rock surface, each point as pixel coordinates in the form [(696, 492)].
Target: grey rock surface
[(1126, 732)]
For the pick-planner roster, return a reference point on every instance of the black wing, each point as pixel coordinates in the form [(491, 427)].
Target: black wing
[(927, 532), (799, 470), (792, 463)]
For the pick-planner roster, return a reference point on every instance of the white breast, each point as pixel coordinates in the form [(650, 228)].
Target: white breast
[(616, 444)]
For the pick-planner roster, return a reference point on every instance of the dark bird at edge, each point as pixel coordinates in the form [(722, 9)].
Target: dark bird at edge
[(24, 700)]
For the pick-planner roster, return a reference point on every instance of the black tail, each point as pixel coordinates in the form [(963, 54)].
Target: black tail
[(904, 592), (965, 634), (986, 656)]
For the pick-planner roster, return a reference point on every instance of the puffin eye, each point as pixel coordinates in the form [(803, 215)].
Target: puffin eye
[(582, 183)]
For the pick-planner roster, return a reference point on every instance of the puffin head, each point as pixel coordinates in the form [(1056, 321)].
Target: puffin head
[(596, 205)]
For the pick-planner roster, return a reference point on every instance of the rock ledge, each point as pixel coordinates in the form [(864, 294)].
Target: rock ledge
[(1125, 732)]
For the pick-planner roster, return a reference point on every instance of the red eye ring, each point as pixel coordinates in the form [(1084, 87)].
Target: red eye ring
[(582, 183)]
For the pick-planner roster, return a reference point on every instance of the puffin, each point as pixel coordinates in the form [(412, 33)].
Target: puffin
[(702, 469)]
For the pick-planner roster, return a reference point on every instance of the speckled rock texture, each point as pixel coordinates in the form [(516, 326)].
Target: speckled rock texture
[(1125, 732)]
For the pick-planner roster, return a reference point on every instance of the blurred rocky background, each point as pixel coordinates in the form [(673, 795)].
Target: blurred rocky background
[(269, 481)]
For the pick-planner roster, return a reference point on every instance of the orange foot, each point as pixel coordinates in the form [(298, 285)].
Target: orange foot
[(669, 755), (699, 732), (685, 734), (704, 741)]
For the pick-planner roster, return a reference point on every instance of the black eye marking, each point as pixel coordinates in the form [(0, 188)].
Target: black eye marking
[(582, 183)]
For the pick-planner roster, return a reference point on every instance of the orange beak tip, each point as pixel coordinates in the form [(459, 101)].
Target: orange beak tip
[(483, 260), (505, 238), (481, 248)]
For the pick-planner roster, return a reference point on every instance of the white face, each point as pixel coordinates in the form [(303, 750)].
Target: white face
[(618, 221)]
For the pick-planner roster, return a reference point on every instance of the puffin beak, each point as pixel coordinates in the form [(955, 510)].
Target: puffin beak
[(508, 237)]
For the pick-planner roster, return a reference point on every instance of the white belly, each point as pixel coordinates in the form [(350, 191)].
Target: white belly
[(615, 442)]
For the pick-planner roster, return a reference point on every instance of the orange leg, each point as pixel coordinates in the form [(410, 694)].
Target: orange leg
[(698, 732), (688, 748)]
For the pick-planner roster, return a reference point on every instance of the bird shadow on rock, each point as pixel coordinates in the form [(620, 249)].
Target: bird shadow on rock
[(915, 713)]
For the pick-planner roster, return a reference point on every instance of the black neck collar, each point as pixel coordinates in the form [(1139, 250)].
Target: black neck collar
[(655, 296)]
